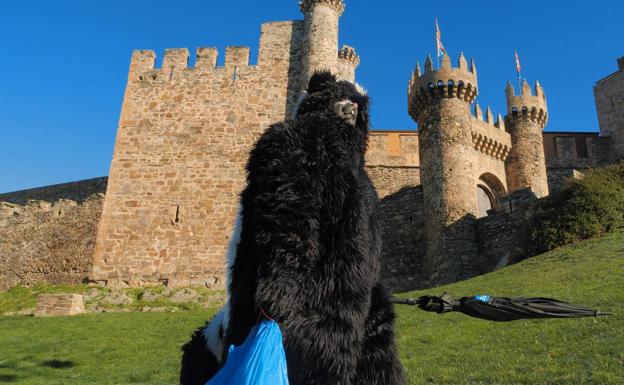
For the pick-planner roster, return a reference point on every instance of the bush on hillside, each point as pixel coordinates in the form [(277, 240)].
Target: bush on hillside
[(585, 208)]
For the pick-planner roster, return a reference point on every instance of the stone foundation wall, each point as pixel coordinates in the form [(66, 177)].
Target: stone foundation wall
[(47, 242), (558, 177), (502, 235), (389, 180), (402, 223)]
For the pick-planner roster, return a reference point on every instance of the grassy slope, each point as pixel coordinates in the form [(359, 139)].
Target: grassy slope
[(456, 349), (143, 348)]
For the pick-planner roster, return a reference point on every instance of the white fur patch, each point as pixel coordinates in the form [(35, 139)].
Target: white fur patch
[(360, 89), (214, 333), (233, 247)]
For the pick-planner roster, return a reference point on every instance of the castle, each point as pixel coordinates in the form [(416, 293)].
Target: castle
[(453, 194)]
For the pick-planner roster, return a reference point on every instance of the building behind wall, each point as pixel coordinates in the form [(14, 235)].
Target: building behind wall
[(609, 94)]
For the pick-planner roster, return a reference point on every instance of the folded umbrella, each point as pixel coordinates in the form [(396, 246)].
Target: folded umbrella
[(501, 309)]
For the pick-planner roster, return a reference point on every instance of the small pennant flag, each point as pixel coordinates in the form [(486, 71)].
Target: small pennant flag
[(518, 67), (439, 45)]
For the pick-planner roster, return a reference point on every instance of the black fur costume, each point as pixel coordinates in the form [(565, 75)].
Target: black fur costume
[(309, 250)]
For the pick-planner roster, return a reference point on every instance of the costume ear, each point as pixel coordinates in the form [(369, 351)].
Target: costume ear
[(320, 81)]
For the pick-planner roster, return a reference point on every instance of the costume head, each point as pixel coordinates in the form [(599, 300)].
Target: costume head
[(342, 99)]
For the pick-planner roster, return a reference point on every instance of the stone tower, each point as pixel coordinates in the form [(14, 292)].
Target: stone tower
[(320, 41), (527, 115), (609, 94), (439, 101)]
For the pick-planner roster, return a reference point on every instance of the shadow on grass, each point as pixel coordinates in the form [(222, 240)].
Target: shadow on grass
[(8, 378), (58, 364)]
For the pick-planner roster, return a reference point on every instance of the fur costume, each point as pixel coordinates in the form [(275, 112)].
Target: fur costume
[(308, 251)]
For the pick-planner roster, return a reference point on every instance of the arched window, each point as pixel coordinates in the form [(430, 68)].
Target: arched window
[(489, 191)]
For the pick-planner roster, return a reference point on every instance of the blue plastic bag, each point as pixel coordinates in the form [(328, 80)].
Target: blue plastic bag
[(260, 360)]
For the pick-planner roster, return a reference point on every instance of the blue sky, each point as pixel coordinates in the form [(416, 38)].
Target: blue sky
[(64, 63)]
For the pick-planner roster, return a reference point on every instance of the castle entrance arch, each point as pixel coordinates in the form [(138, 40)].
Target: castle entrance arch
[(489, 192)]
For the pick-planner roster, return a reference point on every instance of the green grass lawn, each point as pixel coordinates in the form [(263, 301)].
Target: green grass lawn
[(143, 348)]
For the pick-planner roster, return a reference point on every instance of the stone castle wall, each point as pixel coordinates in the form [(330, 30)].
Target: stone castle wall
[(47, 234), (183, 139), (48, 242), (403, 251), (76, 191), (502, 235), (185, 133), (392, 163), (392, 160)]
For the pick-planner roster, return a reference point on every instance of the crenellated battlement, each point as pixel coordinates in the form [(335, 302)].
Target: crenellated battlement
[(489, 136), (307, 5), (488, 117), (143, 64), (446, 82), (528, 105), (348, 61), (348, 54)]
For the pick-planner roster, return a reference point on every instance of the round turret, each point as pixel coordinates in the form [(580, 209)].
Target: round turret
[(527, 115), (348, 61), (446, 82), (527, 105), (439, 101), (320, 39), (308, 5)]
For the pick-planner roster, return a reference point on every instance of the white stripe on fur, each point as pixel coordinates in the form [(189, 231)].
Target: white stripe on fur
[(220, 323)]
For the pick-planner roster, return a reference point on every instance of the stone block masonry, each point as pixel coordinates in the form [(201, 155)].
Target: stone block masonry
[(183, 139), (403, 251), (56, 305), (439, 100), (392, 160), (49, 240), (502, 236), (527, 115)]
